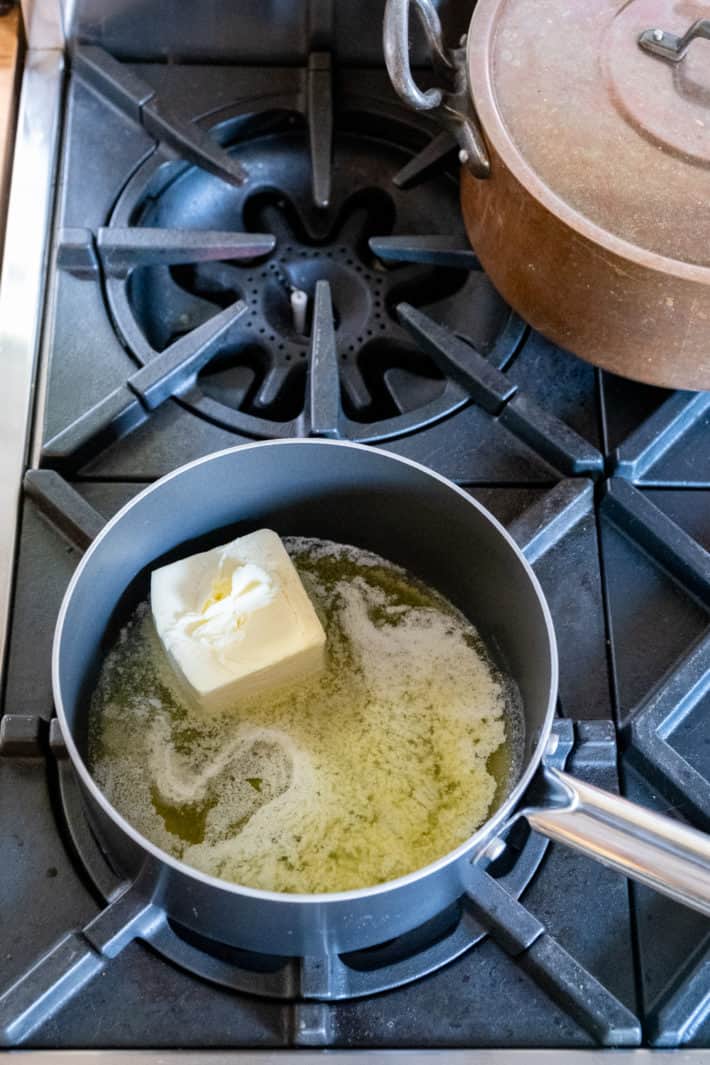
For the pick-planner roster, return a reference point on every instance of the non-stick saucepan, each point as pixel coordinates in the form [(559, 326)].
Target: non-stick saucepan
[(414, 517)]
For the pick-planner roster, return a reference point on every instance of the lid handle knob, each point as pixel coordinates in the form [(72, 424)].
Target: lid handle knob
[(670, 46)]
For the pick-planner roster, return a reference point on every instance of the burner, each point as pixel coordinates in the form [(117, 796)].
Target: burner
[(513, 863), (257, 381)]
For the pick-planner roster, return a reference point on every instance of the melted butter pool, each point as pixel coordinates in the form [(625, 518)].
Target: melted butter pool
[(384, 762)]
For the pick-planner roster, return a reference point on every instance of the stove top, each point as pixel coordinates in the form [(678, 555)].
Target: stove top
[(244, 252)]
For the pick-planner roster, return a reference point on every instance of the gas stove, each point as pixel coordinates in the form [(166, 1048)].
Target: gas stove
[(269, 245)]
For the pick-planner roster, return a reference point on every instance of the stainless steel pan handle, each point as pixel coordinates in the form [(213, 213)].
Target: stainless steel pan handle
[(646, 846)]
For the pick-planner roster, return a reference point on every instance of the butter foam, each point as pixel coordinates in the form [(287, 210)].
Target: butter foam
[(370, 770)]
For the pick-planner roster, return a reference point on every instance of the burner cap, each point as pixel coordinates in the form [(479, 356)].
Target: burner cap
[(260, 382)]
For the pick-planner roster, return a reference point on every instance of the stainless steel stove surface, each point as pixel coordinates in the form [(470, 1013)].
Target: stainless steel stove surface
[(252, 250)]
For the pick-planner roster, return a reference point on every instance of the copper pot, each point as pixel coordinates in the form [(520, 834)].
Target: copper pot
[(584, 134)]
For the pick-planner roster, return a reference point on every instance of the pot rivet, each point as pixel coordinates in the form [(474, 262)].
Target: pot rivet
[(658, 35), (462, 39), (463, 156), (552, 744), (494, 850)]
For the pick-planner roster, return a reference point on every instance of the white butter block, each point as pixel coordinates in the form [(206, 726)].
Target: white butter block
[(236, 620)]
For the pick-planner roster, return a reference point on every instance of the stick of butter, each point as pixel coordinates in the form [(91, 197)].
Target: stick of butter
[(236, 620)]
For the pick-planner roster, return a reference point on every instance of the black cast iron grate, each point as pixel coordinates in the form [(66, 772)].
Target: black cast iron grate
[(490, 907), (401, 329), (296, 202), (664, 731)]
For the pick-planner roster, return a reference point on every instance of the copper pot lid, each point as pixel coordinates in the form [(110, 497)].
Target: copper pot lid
[(610, 132)]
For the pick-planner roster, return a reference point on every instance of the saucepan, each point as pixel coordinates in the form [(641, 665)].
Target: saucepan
[(582, 130), (412, 516)]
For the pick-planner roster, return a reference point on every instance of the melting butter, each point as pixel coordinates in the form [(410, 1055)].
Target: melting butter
[(236, 620), (383, 762)]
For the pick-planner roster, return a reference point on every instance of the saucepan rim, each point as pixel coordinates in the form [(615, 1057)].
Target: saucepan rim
[(483, 833)]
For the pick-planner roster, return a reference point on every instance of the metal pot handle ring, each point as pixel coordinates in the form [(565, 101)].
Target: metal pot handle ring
[(451, 107)]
